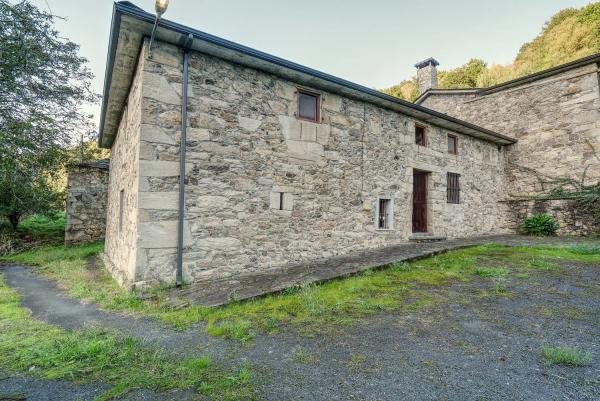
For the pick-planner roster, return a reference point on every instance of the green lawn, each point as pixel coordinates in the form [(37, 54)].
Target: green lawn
[(50, 226), (316, 308), (29, 345)]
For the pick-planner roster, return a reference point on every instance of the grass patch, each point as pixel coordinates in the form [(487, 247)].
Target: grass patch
[(49, 226), (311, 309), (542, 264), (300, 355), (359, 363), (29, 345), (490, 272), (566, 356)]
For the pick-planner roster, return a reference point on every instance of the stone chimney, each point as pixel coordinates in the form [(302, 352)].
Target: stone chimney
[(427, 74)]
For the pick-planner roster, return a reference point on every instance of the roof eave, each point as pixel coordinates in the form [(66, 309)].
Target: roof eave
[(175, 33)]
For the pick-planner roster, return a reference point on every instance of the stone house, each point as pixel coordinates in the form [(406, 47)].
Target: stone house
[(282, 164)]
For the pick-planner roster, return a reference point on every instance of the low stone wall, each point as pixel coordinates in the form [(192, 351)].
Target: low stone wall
[(87, 187), (571, 220)]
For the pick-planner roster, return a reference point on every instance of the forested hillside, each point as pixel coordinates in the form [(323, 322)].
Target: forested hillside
[(570, 34)]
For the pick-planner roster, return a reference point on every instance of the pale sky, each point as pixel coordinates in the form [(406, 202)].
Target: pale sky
[(374, 43)]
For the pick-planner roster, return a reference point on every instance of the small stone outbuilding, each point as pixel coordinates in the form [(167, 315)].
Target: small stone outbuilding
[(87, 186)]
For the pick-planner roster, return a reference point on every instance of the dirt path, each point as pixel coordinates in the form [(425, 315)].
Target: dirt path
[(469, 348)]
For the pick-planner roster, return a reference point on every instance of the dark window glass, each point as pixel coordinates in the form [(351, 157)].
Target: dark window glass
[(420, 135), (452, 144), (453, 188), (308, 106)]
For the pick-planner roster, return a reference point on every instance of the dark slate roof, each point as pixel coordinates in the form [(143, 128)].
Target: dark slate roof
[(426, 62), (594, 58), (102, 164), (130, 25)]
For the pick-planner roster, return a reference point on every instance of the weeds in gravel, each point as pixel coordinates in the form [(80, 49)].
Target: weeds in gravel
[(542, 264), (359, 363), (300, 355), (567, 356), (29, 345), (490, 272)]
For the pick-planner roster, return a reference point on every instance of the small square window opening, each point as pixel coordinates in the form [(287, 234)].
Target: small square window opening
[(420, 136), (452, 144), (308, 106)]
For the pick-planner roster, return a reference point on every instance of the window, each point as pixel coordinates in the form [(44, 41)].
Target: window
[(121, 208), (420, 137), (281, 201), (453, 188), (308, 106), (384, 214), (452, 144)]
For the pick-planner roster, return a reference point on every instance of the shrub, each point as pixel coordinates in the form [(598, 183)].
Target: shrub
[(540, 224)]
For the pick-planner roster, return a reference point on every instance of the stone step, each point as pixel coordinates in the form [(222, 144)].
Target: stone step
[(425, 237)]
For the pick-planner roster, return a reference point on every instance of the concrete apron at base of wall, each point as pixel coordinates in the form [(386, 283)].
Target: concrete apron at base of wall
[(214, 292)]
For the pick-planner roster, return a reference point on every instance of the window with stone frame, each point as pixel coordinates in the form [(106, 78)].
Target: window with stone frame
[(453, 188), (309, 105), (384, 214), (452, 144), (420, 135)]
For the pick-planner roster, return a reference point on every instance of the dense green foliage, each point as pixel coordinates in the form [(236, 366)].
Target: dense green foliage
[(540, 224), (570, 34), (43, 84)]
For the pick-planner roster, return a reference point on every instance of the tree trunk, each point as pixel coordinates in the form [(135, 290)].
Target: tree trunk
[(14, 220)]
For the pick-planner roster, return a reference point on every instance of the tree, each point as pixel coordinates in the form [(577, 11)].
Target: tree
[(465, 76), (43, 83)]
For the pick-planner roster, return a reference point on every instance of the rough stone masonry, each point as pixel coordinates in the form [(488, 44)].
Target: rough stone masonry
[(86, 202), (556, 119), (266, 189)]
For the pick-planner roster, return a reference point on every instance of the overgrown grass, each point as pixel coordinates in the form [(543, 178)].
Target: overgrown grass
[(29, 345), (567, 356), (50, 226), (312, 308)]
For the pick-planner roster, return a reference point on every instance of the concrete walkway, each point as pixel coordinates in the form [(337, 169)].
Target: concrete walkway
[(213, 292)]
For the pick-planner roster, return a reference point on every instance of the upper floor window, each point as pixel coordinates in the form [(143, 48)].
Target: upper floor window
[(453, 188), (308, 105), (452, 144), (420, 135)]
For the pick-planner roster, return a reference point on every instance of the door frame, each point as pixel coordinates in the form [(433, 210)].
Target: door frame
[(426, 177)]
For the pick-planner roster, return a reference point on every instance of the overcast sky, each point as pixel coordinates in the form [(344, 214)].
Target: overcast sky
[(371, 42)]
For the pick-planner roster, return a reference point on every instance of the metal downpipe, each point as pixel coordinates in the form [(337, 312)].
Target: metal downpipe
[(182, 147)]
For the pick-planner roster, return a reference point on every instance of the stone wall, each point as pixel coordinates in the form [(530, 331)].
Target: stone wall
[(245, 146), (570, 219), (121, 245), (555, 119), (86, 203)]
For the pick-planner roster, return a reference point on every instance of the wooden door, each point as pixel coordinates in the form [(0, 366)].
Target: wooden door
[(419, 215)]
